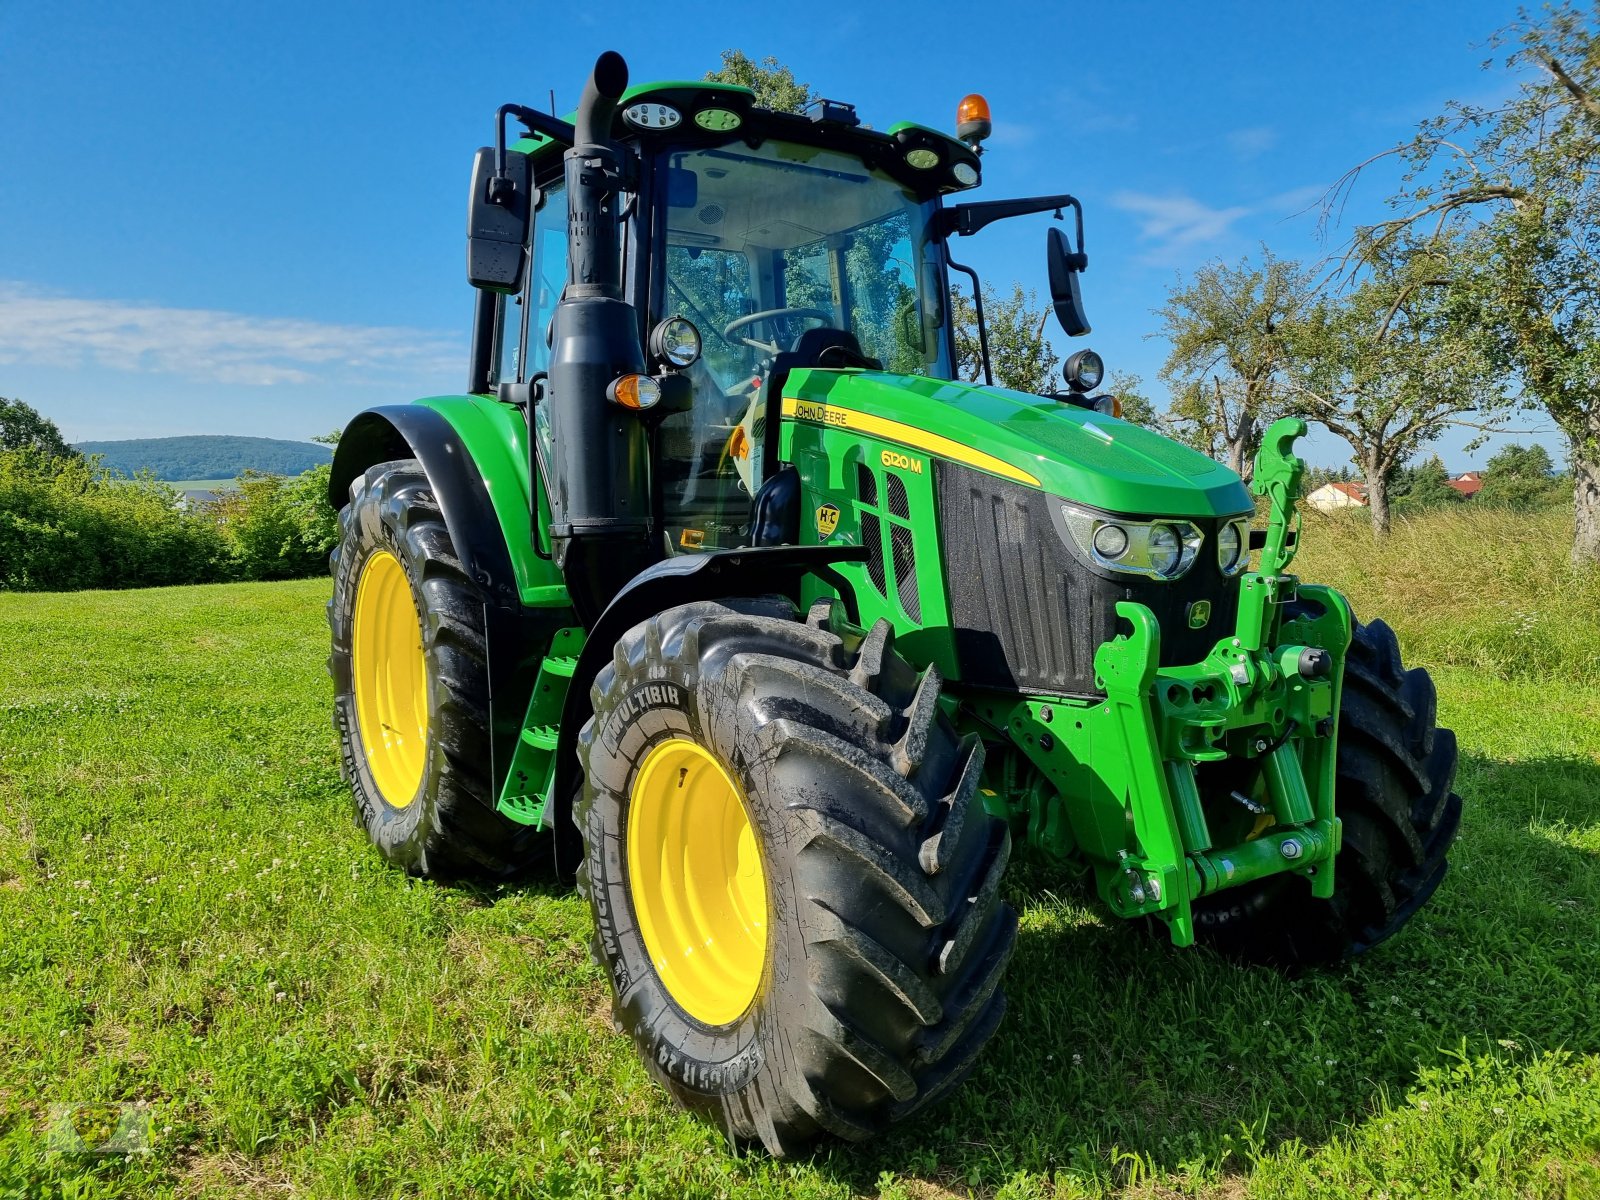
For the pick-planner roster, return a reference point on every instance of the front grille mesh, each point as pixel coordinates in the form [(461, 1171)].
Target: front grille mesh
[(872, 535), (1029, 614)]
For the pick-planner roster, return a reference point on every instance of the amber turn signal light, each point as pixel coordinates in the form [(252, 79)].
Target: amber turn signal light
[(634, 391)]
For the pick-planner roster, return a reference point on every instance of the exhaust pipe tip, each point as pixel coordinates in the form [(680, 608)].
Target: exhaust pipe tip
[(598, 104), (610, 78)]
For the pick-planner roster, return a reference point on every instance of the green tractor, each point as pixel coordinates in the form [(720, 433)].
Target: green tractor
[(719, 593)]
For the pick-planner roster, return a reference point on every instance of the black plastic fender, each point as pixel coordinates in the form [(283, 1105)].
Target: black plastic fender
[(412, 431), (516, 637), (757, 571)]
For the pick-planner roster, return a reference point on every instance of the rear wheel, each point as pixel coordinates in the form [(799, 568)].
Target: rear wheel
[(411, 685), (793, 878), (1393, 795)]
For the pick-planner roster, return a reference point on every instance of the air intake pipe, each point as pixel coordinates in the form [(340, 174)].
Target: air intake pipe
[(599, 468)]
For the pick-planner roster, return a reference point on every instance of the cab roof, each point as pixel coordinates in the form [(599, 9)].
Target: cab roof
[(693, 113)]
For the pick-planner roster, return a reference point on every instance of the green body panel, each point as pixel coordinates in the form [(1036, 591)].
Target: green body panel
[(496, 438), (1070, 452), (838, 423), (1113, 780), (525, 795)]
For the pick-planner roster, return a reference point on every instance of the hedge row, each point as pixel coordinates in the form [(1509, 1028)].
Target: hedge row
[(66, 524)]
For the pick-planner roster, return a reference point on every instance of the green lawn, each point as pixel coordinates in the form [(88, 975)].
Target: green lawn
[(189, 920)]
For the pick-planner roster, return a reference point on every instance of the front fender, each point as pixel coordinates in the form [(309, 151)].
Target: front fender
[(474, 451), (759, 571), (471, 477)]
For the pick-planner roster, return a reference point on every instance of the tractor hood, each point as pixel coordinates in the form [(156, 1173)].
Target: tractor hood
[(1064, 450)]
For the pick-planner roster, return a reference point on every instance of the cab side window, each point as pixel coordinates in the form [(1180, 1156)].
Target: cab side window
[(547, 275)]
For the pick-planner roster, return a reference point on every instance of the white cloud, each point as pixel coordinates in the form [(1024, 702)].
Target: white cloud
[(1175, 225), (1250, 143), (48, 329), (1176, 222)]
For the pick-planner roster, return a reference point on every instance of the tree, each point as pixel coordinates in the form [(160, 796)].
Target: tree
[(1136, 406), (1019, 353), (773, 83), (1516, 184), (23, 427), (1389, 364), (1229, 329), (1521, 477), (1423, 486)]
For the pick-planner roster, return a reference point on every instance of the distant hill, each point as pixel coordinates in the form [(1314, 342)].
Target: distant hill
[(208, 456)]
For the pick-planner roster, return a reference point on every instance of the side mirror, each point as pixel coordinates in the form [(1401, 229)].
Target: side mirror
[(498, 212), (1065, 265)]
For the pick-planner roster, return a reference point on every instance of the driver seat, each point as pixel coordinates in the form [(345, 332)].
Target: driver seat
[(821, 347), (824, 347)]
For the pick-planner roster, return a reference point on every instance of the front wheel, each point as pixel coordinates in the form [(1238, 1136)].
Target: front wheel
[(1393, 794), (411, 686), (793, 879)]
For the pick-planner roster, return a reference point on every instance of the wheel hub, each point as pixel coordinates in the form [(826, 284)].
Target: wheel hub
[(695, 876), (390, 679)]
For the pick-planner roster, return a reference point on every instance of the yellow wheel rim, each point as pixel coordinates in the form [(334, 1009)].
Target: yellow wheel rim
[(695, 875), (391, 679)]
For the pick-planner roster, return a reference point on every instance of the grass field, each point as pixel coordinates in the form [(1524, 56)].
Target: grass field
[(191, 923)]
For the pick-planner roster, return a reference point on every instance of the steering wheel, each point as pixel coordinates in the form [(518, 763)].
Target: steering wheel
[(772, 314)]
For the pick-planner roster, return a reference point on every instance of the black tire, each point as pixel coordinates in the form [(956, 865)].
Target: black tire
[(886, 939), (1393, 793), (449, 828)]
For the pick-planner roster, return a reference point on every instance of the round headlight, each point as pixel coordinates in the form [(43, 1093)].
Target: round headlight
[(1084, 370), (1111, 541), (675, 342), (922, 158), (1230, 547), (1166, 548), (965, 174)]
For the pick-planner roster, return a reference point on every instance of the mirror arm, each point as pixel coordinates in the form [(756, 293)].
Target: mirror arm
[(966, 219), (557, 130)]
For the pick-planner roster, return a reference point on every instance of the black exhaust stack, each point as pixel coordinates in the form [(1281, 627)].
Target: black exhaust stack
[(600, 476)]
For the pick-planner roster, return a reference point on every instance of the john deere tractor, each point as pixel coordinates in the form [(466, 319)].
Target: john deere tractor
[(718, 592)]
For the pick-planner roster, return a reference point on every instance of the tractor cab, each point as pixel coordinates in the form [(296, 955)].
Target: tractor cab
[(750, 244), (769, 258)]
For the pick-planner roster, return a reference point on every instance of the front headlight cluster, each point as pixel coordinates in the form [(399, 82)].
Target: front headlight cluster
[(1159, 549), (1233, 546)]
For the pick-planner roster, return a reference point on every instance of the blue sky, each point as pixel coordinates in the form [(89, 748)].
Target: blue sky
[(249, 218)]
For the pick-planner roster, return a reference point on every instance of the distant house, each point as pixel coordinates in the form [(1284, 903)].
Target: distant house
[(196, 497), (1468, 483), (1331, 496)]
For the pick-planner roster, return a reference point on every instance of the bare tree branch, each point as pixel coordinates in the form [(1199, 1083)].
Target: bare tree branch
[(1579, 93)]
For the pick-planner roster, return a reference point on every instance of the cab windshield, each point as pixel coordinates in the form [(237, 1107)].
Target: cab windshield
[(781, 250), (811, 233)]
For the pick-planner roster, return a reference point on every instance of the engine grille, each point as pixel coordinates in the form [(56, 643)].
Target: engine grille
[(1029, 614)]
